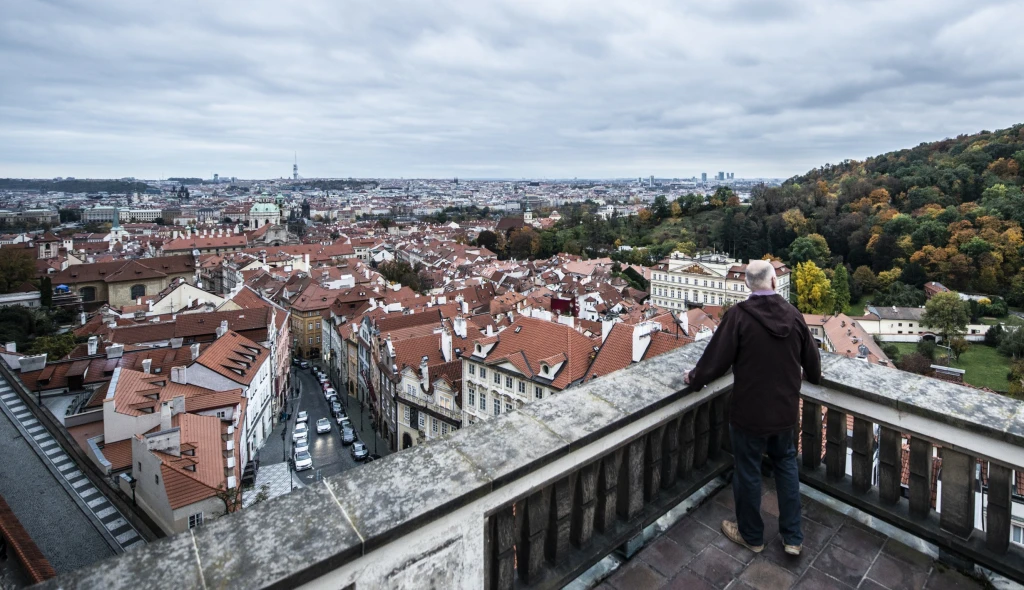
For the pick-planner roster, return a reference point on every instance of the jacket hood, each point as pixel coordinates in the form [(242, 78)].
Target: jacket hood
[(772, 311)]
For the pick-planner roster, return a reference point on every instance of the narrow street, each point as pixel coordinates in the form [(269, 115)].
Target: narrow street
[(329, 455)]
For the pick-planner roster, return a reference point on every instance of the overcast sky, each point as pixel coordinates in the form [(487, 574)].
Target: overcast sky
[(607, 88)]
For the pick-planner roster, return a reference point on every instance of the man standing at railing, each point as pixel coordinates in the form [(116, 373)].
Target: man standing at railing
[(766, 343)]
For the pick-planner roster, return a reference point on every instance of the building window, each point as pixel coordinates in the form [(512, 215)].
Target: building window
[(433, 425), (508, 382), (88, 293), (407, 414), (311, 340), (318, 340), (195, 520), (1017, 534), (472, 399), (522, 387), (138, 291), (497, 379), (472, 369), (157, 479), (538, 392), (497, 407), (310, 326), (483, 401), (483, 373), (444, 428), (508, 407), (422, 422)]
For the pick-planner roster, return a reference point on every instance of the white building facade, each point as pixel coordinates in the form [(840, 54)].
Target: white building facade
[(711, 279)]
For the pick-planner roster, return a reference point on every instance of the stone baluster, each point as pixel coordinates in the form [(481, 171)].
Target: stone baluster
[(532, 535), (607, 484), (958, 489), (702, 426), (670, 454), (890, 466), (863, 454), (584, 506), (631, 483), (717, 426), (810, 435), (997, 536), (687, 444), (835, 445), (502, 549), (560, 515), (653, 453), (920, 477)]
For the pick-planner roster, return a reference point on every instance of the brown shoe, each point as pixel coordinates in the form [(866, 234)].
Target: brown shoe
[(732, 532)]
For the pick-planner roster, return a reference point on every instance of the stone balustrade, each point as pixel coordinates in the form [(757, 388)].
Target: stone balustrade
[(535, 497)]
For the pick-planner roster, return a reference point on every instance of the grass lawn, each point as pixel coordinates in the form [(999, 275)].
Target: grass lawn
[(856, 308), (1010, 320), (984, 366)]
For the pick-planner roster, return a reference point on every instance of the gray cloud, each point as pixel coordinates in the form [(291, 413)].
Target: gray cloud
[(517, 88)]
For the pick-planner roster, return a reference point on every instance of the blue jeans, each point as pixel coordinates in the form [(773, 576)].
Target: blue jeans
[(747, 450)]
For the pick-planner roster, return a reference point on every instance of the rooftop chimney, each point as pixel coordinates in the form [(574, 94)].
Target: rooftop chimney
[(114, 351), (165, 416), (222, 329), (425, 371), (460, 326), (195, 351), (147, 365), (83, 318), (176, 342), (178, 375), (94, 342), (11, 346)]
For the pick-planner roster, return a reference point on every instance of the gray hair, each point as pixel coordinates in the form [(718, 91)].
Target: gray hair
[(759, 275)]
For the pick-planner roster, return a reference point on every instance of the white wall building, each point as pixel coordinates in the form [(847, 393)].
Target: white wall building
[(712, 279)]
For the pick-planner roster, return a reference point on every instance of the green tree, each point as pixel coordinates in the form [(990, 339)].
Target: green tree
[(55, 347), (841, 289), (524, 243), (487, 239), (16, 267), (813, 290), (899, 295), (46, 292), (865, 278), (1012, 343), (958, 345), (947, 313), (810, 248)]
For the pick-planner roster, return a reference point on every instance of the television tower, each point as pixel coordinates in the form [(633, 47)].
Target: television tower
[(295, 167)]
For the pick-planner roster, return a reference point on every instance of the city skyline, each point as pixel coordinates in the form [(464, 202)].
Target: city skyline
[(500, 91)]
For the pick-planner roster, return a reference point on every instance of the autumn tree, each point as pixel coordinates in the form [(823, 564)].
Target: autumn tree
[(487, 239), (864, 278), (523, 243), (813, 290), (947, 314), (841, 289), (676, 209), (17, 266)]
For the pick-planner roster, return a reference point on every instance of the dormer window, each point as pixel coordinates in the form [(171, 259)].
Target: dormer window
[(545, 369)]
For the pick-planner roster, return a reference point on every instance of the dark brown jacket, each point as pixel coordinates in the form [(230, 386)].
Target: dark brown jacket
[(766, 342)]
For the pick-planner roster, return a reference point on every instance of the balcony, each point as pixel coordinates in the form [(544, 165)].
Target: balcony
[(576, 485), (425, 403)]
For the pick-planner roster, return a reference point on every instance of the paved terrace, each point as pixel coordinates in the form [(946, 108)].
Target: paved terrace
[(538, 497)]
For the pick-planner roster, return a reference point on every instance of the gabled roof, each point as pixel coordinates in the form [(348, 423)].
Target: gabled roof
[(528, 341), (234, 356)]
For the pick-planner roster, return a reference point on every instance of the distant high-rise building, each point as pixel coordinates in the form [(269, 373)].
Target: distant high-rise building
[(650, 182), (295, 168), (704, 177), (721, 176), (216, 178)]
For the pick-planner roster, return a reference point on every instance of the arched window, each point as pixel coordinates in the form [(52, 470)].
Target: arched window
[(88, 293), (138, 291)]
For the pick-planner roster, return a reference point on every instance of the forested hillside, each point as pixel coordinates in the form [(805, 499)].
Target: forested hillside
[(949, 210)]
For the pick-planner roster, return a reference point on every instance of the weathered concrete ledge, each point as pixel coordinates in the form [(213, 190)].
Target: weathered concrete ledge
[(430, 498)]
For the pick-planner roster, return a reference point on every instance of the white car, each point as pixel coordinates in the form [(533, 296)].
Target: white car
[(303, 417), (303, 461), (300, 431), (302, 445), (323, 425)]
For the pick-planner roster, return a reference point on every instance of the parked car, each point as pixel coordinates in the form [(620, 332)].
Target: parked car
[(329, 391), (304, 364), (323, 425), (302, 444), (359, 451), (300, 431), (344, 422), (336, 408), (303, 417), (296, 362), (332, 398), (348, 436), (303, 461)]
